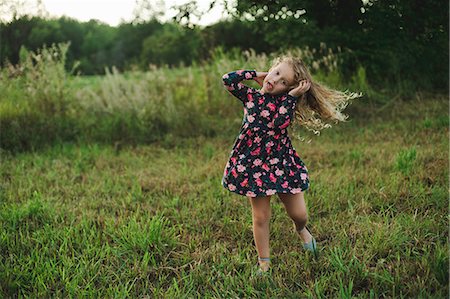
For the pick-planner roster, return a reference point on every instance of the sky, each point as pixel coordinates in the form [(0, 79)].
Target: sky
[(114, 11)]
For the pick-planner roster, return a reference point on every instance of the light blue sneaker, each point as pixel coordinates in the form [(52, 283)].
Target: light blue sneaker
[(311, 245)]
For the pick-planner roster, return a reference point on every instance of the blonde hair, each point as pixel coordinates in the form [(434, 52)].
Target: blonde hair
[(320, 105)]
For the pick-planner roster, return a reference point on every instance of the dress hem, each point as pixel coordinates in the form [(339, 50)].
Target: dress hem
[(264, 194)]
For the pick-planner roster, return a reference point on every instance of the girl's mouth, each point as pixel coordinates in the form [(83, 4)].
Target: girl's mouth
[(269, 86)]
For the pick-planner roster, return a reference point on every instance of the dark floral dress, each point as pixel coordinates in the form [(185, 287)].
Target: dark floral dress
[(263, 161)]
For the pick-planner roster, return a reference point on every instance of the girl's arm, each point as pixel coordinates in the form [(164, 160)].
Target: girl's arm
[(232, 82), (285, 112)]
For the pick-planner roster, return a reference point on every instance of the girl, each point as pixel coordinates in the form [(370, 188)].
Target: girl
[(263, 161)]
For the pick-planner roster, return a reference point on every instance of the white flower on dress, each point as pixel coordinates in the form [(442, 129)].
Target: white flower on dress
[(265, 113), (274, 161), (250, 105), (256, 175), (250, 193), (240, 168), (279, 172), (271, 192), (282, 110), (257, 162), (250, 118)]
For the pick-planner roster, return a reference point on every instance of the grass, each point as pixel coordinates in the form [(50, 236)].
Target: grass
[(143, 221)]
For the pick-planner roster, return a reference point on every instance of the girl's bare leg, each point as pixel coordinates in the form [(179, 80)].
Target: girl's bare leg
[(261, 213), (296, 208)]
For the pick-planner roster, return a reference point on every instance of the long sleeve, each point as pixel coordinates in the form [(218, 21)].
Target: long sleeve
[(285, 111), (232, 81)]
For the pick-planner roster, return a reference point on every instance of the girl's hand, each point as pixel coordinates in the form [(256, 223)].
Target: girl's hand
[(260, 77), (301, 89)]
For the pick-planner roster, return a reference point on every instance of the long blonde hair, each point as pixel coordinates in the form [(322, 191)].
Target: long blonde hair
[(320, 105)]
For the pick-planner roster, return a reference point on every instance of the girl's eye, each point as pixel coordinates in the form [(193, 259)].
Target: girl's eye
[(284, 83)]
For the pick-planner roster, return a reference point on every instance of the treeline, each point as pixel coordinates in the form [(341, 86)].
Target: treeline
[(401, 44)]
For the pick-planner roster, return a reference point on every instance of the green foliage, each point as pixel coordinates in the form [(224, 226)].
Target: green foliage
[(172, 45), (400, 46)]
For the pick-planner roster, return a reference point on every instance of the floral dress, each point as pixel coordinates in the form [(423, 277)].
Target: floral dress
[(263, 161)]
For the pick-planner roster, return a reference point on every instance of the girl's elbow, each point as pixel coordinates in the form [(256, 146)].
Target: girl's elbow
[(226, 79)]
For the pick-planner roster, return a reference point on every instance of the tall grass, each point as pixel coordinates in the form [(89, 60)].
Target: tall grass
[(42, 104)]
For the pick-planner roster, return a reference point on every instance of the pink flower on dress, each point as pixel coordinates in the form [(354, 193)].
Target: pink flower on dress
[(270, 125), (250, 193), (241, 156), (257, 139), (282, 110), (271, 192), (279, 172), (272, 177), (265, 167), (268, 150), (230, 87), (234, 173), (291, 173), (285, 184), (256, 151), (257, 162), (271, 132), (240, 168), (250, 118), (225, 76), (248, 76), (249, 142), (261, 101), (271, 106), (239, 72), (303, 176), (259, 182), (231, 187), (244, 183), (296, 190), (274, 161), (233, 159), (250, 104), (270, 143), (265, 113)]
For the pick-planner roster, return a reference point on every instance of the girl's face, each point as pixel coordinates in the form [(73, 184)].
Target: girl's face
[(280, 79)]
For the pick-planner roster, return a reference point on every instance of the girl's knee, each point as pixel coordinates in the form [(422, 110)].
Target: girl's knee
[(261, 217), (300, 218)]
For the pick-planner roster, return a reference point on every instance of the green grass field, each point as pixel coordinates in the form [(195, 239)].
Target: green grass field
[(146, 221)]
